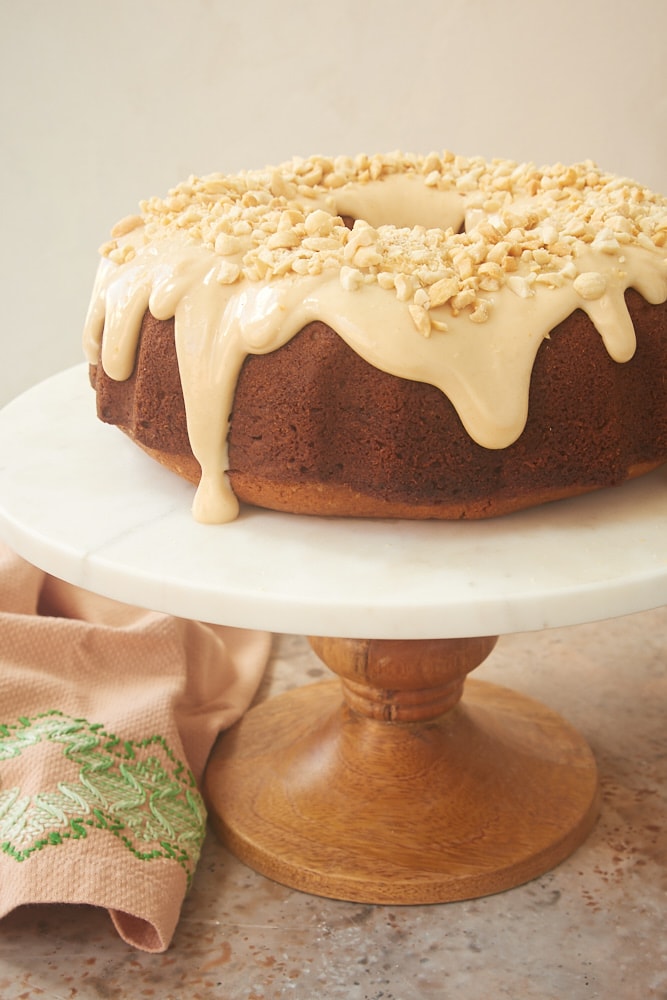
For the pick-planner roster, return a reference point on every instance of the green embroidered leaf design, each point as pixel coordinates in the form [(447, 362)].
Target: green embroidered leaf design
[(137, 791)]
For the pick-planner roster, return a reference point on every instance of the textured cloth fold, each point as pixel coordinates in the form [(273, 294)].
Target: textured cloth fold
[(107, 716)]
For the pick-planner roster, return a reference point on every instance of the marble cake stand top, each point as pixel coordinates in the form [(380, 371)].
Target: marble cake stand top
[(85, 504)]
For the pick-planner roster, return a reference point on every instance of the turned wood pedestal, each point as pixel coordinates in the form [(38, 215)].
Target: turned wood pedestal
[(389, 787)]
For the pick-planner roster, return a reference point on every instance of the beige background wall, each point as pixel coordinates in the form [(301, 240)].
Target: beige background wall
[(103, 103)]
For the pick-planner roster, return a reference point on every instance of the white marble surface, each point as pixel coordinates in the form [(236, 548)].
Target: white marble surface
[(592, 929), (81, 501)]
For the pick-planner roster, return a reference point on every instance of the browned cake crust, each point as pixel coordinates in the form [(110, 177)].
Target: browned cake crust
[(315, 429)]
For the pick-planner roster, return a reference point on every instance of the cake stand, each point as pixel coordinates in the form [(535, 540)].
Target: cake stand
[(386, 785)]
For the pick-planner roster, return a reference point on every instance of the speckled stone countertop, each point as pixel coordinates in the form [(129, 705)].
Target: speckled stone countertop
[(593, 928)]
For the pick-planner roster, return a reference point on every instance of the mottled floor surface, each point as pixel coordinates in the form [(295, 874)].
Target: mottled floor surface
[(596, 927)]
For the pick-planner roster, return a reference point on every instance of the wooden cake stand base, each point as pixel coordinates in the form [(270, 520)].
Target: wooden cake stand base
[(391, 788)]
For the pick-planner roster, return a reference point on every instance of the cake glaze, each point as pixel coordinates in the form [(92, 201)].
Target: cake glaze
[(454, 274)]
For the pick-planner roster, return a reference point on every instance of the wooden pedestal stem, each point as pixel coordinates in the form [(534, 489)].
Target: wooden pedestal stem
[(387, 787), (394, 681)]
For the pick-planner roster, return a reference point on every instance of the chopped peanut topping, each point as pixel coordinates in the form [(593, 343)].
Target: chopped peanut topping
[(126, 225), (525, 227), (590, 285)]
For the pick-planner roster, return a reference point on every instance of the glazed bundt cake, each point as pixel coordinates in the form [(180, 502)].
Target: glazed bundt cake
[(397, 336)]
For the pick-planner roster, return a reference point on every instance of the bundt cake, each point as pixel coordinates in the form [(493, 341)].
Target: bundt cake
[(397, 336)]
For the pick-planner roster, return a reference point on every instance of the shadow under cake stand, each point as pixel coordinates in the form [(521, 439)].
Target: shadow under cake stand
[(385, 785)]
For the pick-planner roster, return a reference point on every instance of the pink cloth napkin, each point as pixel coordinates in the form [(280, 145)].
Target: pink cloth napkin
[(107, 717)]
